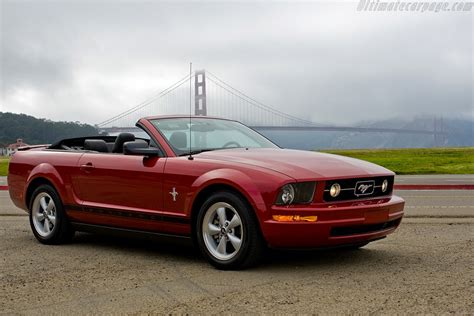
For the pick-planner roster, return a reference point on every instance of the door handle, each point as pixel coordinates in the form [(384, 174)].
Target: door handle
[(88, 167)]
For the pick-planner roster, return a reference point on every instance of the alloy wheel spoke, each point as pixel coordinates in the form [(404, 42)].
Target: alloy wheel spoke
[(43, 203), (213, 229), (221, 215), (50, 206), (40, 216), (235, 221), (221, 247), (235, 241), (52, 219), (46, 225)]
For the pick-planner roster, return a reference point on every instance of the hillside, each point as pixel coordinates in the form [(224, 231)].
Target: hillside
[(38, 131)]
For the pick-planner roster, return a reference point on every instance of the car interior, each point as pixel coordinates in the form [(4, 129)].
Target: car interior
[(103, 144)]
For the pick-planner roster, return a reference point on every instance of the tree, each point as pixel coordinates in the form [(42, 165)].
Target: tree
[(39, 131)]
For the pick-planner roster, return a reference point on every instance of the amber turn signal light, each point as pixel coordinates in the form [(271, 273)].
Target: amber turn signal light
[(294, 218)]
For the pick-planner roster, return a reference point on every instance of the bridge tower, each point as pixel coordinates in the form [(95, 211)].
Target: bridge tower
[(200, 107)]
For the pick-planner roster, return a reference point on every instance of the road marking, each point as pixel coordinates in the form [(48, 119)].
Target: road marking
[(468, 180), (441, 206), (438, 196), (433, 186), (421, 190)]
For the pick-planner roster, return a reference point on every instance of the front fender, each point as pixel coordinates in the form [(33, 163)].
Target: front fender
[(231, 177)]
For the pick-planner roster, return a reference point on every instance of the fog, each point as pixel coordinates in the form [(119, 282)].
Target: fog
[(324, 61)]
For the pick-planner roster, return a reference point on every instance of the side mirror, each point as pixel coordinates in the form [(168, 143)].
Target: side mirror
[(140, 148)]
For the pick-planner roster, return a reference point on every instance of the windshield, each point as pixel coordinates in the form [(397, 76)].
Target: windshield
[(208, 134)]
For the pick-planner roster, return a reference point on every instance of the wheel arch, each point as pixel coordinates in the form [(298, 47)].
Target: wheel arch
[(207, 191), (43, 174), (228, 180), (32, 187)]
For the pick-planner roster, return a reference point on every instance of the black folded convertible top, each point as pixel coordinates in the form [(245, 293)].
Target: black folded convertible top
[(79, 141)]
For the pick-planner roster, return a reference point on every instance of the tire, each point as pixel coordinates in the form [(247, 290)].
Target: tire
[(227, 232), (52, 228)]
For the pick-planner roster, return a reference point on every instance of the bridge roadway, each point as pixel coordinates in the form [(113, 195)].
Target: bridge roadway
[(308, 128), (425, 267)]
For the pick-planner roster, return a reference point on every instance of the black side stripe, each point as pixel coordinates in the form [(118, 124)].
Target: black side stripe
[(128, 214)]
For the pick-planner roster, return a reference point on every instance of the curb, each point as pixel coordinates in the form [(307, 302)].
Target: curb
[(3, 187), (433, 186)]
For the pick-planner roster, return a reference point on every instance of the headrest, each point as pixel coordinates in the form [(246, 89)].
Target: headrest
[(139, 143), (179, 140), (122, 138), (96, 145)]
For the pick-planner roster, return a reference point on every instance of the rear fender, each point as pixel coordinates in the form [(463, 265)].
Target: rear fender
[(48, 172)]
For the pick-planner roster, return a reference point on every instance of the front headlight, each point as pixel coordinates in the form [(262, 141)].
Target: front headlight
[(296, 193), (287, 194)]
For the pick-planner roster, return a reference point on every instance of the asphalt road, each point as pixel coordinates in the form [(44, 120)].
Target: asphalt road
[(425, 267), (436, 179), (450, 203)]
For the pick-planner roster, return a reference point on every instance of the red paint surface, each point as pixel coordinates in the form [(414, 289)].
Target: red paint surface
[(396, 187), (136, 190)]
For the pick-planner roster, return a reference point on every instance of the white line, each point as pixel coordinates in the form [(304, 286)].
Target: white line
[(469, 181), (405, 190), (439, 196), (440, 206), (443, 196)]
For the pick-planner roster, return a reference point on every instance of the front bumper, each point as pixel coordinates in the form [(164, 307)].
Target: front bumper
[(338, 224)]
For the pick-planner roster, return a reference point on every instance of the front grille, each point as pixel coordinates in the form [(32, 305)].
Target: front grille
[(362, 229), (349, 192)]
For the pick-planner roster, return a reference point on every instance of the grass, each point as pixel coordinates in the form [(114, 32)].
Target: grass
[(4, 165), (401, 161), (417, 160)]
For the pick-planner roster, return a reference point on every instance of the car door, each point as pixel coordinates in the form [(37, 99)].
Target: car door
[(120, 190)]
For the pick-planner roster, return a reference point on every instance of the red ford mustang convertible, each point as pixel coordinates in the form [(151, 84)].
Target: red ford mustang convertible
[(216, 181)]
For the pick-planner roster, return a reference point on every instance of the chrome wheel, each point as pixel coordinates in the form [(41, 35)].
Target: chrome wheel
[(43, 213), (222, 231)]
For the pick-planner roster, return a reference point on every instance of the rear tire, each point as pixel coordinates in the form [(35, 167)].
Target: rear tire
[(227, 232), (48, 220)]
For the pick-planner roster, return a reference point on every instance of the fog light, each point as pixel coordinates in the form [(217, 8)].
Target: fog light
[(384, 185), (294, 218), (335, 190)]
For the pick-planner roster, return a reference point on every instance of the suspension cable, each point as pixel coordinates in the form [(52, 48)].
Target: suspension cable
[(146, 102)]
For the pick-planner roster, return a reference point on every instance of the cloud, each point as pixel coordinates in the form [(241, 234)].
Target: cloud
[(328, 62)]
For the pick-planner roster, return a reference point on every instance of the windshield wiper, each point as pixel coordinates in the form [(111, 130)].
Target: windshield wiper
[(197, 151)]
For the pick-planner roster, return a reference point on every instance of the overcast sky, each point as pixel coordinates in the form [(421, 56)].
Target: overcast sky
[(89, 60)]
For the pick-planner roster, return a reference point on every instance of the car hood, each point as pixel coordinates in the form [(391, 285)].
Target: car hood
[(299, 164)]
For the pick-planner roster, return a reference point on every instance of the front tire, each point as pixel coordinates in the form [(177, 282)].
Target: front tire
[(47, 218), (227, 232)]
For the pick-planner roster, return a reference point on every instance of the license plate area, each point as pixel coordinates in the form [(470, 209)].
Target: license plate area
[(378, 216), (364, 188)]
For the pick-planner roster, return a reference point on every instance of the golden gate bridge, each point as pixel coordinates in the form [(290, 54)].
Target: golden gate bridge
[(215, 97)]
